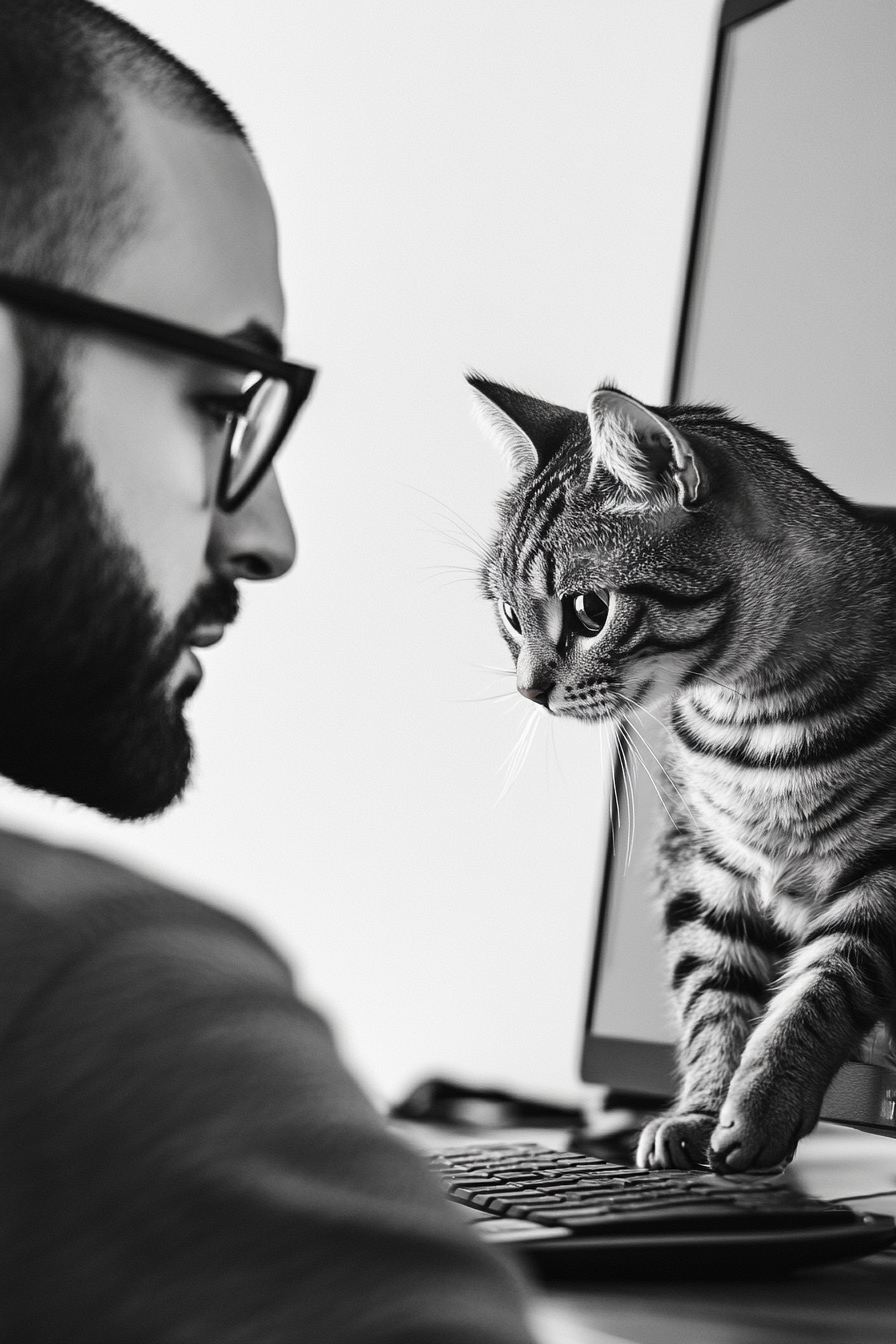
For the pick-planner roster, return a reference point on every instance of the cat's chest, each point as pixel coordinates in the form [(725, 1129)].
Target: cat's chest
[(763, 814), (763, 829), (768, 807)]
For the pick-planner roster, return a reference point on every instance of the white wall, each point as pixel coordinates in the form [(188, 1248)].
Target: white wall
[(499, 183)]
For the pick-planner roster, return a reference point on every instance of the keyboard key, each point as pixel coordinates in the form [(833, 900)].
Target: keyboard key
[(467, 1192), (514, 1229)]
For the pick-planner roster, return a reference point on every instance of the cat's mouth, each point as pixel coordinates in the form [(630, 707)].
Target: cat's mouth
[(592, 705), (608, 700)]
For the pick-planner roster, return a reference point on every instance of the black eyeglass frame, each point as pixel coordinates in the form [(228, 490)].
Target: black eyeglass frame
[(82, 310)]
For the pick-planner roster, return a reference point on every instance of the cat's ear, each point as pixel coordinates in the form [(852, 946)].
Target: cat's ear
[(641, 450), (526, 431)]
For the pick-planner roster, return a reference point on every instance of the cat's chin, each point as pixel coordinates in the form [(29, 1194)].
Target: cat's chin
[(599, 714)]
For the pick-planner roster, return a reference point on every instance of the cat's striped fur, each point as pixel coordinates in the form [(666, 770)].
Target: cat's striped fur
[(679, 556)]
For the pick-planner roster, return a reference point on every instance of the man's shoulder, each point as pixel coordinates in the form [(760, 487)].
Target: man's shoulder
[(58, 905), (41, 872), (56, 885)]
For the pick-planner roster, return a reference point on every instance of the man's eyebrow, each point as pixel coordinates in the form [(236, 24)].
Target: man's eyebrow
[(260, 336)]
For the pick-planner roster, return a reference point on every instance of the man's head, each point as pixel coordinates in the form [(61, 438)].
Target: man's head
[(122, 175)]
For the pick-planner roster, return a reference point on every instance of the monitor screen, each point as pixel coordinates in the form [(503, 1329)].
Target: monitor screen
[(791, 309), (789, 320)]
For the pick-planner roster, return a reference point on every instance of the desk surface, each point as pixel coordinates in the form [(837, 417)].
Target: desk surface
[(850, 1303)]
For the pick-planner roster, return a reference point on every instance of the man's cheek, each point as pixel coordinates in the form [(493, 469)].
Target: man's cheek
[(144, 443)]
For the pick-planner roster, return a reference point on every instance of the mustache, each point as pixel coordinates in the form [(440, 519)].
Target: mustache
[(216, 602)]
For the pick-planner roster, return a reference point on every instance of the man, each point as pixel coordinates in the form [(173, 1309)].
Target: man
[(182, 1156)]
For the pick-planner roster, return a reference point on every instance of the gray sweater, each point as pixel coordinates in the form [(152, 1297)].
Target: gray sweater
[(183, 1158)]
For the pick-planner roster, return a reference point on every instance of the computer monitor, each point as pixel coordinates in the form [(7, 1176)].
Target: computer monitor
[(789, 319)]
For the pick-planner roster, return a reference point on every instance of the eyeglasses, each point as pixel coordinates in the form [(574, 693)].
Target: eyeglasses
[(256, 420)]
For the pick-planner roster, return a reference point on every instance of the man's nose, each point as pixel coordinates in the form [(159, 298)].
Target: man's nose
[(257, 541)]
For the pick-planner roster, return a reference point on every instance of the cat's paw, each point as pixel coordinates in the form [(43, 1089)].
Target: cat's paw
[(679, 1139), (762, 1120)]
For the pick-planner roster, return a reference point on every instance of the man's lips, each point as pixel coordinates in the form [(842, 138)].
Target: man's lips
[(204, 635), (201, 637)]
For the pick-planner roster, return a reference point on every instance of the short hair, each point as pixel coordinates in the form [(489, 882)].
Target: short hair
[(65, 65)]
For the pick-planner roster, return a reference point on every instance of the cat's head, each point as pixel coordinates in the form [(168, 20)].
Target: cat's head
[(613, 569)]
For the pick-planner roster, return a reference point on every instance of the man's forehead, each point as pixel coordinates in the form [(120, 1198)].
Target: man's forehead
[(204, 250)]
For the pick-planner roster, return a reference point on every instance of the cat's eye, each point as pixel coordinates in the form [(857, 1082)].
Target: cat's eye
[(511, 620), (590, 611)]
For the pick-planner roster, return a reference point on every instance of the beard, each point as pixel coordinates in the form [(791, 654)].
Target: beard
[(85, 709)]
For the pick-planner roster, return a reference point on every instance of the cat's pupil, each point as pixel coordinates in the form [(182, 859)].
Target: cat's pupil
[(590, 611), (511, 617)]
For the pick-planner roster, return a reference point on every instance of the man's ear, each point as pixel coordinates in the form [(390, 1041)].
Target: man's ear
[(526, 431), (10, 387), (642, 451)]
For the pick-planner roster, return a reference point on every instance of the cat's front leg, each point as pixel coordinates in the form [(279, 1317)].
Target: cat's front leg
[(840, 981), (721, 953)]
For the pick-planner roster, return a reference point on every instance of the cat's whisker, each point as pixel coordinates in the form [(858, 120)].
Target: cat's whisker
[(627, 700), (629, 794), (450, 533), (516, 758), (454, 539), (458, 518), (496, 681), (454, 535), (616, 810), (553, 740), (473, 540), (481, 699), (607, 741), (636, 751), (448, 530), (633, 728), (628, 785), (449, 569), (449, 583), (463, 574), (732, 690)]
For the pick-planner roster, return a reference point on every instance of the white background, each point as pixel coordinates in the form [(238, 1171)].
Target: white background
[(503, 184)]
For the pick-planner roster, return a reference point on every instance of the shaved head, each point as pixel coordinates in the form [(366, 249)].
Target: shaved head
[(66, 204)]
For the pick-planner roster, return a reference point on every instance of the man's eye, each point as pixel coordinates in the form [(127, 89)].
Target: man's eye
[(220, 409)]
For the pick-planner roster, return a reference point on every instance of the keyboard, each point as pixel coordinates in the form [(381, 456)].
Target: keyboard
[(566, 1211)]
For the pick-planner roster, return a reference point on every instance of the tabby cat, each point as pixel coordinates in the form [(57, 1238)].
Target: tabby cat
[(678, 556)]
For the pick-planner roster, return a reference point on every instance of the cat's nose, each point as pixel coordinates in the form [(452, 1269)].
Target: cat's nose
[(540, 694)]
